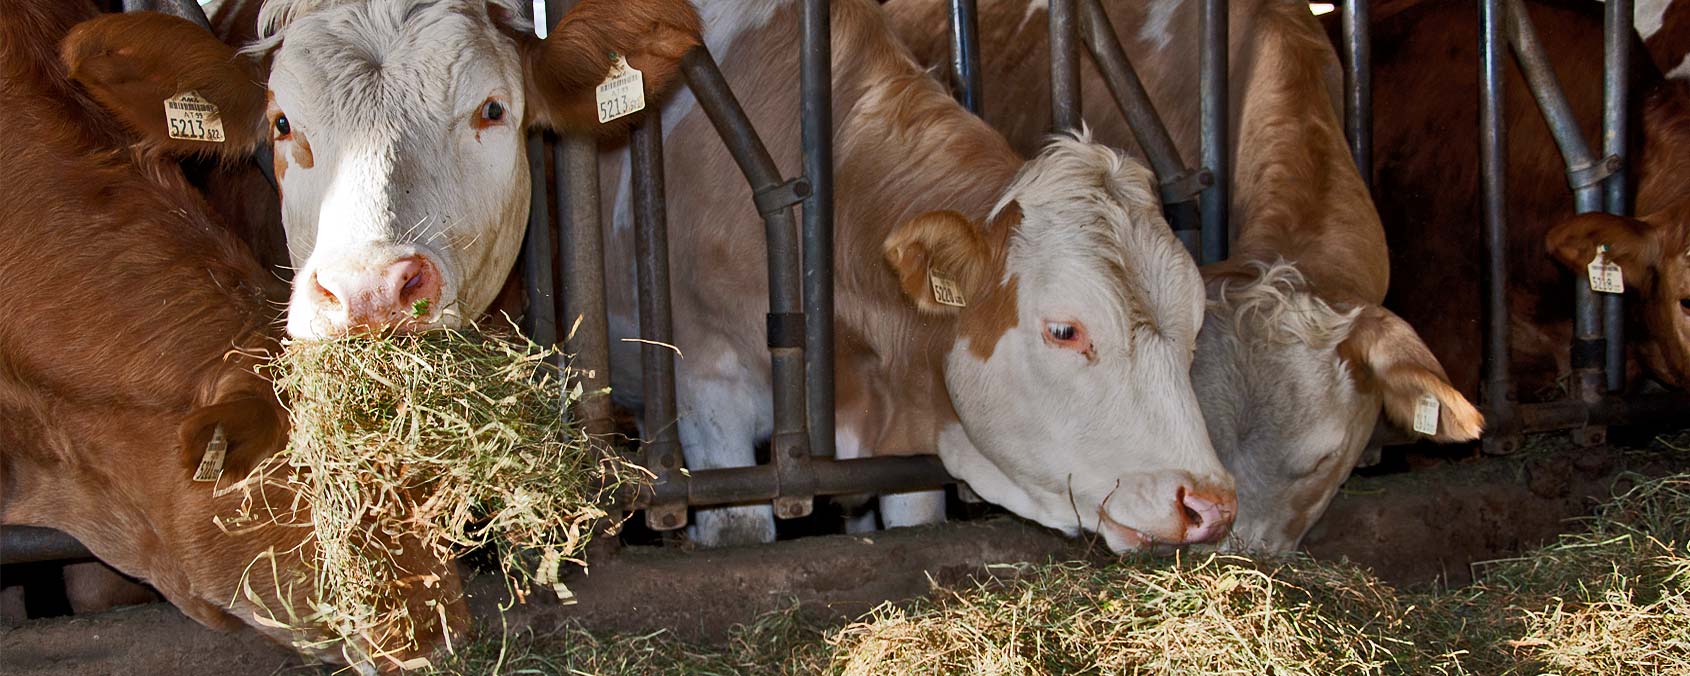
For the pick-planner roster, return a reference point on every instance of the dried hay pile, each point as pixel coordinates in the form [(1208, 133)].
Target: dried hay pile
[(451, 441), (1613, 599)]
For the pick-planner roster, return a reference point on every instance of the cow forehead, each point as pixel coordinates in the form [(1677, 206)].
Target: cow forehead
[(379, 59)]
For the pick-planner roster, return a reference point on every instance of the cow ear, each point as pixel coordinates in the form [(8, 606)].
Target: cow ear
[(564, 71), (1388, 358), (254, 428), (131, 63), (937, 250), (1633, 244)]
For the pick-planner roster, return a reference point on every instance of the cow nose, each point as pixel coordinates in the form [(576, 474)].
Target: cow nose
[(382, 296), (1207, 514)]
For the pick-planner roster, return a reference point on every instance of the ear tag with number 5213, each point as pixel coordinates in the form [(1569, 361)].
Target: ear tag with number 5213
[(623, 91)]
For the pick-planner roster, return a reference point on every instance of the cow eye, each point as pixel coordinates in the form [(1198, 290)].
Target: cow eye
[(1061, 332), (283, 129), (493, 111)]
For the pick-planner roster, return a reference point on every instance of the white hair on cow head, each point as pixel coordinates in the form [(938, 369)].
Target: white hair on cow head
[(1285, 310), (1074, 181), (275, 16)]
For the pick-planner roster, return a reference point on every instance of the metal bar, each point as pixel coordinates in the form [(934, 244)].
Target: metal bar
[(1064, 68), (739, 485), (1588, 351), (816, 90), (538, 279), (965, 54), (1179, 187), (1213, 88), (1496, 395), (582, 304), (1616, 45), (1358, 85), (31, 544), (657, 363), (789, 443)]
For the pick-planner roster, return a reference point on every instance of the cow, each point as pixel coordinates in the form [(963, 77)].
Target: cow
[(1297, 355), (1060, 389), (397, 129), (1429, 196), (131, 325)]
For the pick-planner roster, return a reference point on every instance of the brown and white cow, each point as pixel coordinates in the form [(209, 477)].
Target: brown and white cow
[(1297, 355), (1427, 182), (397, 127), (129, 321), (1060, 391)]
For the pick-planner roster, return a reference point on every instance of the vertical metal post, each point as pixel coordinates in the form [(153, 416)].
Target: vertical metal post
[(965, 53), (1617, 38), (1358, 85), (1588, 352), (1064, 67), (1213, 88), (789, 445), (582, 253), (816, 85), (1496, 395), (538, 278), (657, 363)]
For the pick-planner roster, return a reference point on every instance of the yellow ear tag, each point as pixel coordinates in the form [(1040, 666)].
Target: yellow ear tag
[(1605, 275), (192, 118), (945, 290), (623, 91), (1426, 415), (211, 464)]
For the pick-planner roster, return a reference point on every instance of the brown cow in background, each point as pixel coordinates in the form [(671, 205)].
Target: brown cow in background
[(1426, 183), (129, 321)]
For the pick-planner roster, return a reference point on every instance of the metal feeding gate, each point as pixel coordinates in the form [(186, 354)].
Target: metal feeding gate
[(800, 322)]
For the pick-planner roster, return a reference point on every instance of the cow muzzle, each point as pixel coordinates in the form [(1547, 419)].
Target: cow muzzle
[(363, 295)]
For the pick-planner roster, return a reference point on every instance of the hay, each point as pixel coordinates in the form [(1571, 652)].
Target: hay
[(1611, 599), (449, 441)]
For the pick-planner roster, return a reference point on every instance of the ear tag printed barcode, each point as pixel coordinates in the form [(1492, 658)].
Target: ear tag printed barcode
[(623, 91), (211, 464), (192, 118), (1426, 415), (1605, 275), (945, 290)]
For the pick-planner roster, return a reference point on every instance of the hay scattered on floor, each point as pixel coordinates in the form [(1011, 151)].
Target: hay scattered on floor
[(1613, 598), (452, 441)]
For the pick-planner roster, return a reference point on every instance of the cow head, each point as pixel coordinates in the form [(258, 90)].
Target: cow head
[(1292, 388), (1070, 368), (1653, 253), (397, 128)]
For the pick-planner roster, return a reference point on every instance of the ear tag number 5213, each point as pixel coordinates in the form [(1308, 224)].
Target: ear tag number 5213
[(623, 91), (192, 118)]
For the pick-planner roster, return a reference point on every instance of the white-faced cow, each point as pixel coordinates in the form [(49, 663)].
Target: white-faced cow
[(130, 323), (1060, 390), (1296, 355), (397, 127)]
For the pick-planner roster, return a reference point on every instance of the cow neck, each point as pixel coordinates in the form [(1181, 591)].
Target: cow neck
[(903, 147)]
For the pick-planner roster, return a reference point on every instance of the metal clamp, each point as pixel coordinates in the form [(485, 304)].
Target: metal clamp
[(1594, 173), (777, 197), (1186, 186)]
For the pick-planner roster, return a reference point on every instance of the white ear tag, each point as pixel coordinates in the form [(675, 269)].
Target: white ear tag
[(623, 91), (1426, 415), (945, 290), (211, 464), (1605, 275), (192, 118)]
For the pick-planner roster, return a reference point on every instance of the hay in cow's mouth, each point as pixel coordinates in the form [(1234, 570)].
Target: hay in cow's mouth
[(450, 441)]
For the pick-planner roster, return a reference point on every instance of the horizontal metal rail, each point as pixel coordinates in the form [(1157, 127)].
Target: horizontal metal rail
[(29, 544), (762, 483)]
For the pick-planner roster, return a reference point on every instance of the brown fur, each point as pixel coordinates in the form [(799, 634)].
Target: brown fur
[(127, 332)]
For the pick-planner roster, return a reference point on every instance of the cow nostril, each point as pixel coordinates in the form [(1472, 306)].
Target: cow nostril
[(414, 281), (324, 291), (1193, 517)]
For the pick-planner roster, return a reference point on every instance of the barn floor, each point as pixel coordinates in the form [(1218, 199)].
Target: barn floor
[(1413, 528)]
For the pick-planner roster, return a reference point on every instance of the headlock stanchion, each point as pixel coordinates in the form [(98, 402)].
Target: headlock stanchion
[(1585, 173), (965, 54), (1064, 67), (657, 359), (1616, 46), (1179, 186), (1358, 85), (816, 95), (1496, 395)]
